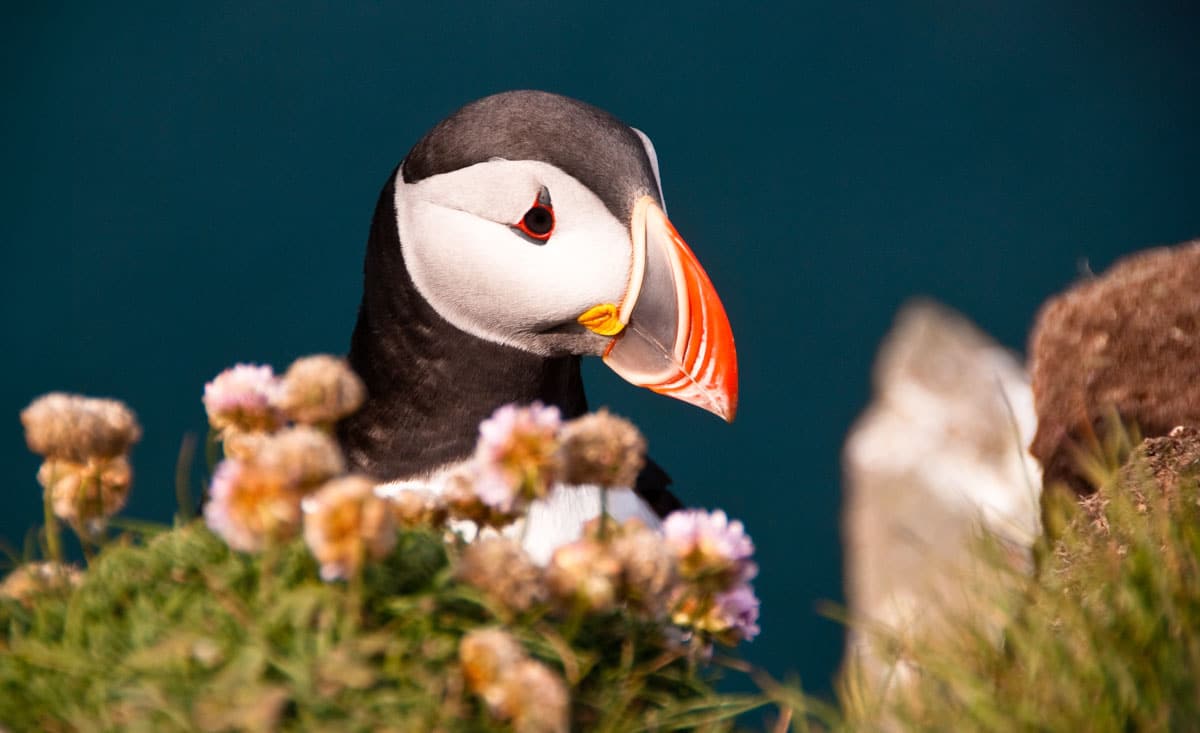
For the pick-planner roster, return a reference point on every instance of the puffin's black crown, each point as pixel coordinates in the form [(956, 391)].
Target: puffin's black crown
[(587, 143)]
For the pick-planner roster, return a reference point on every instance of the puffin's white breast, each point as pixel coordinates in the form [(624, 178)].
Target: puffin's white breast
[(552, 522)]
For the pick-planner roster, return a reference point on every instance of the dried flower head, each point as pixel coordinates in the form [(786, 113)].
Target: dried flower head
[(487, 655), (602, 449), (243, 446), (240, 398), (306, 455), (346, 524), (501, 568), (647, 567), (417, 508), (709, 548), (85, 495), (320, 390), (30, 580), (513, 686), (585, 573), (535, 699), (76, 428), (462, 502), (251, 506), (516, 459)]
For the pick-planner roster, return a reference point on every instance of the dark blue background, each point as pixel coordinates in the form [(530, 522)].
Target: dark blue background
[(185, 188)]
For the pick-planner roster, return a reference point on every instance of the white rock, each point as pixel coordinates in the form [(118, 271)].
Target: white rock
[(941, 452)]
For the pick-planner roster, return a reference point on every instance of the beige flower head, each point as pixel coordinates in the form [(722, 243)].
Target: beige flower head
[(33, 579), (76, 428), (535, 699), (251, 506), (346, 524), (585, 572), (499, 567), (513, 686), (417, 508), (602, 449), (647, 567), (85, 495), (487, 655), (320, 390), (243, 446), (463, 502), (306, 455)]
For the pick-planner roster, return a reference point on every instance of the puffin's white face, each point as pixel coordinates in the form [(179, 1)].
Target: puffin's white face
[(519, 252), (473, 257)]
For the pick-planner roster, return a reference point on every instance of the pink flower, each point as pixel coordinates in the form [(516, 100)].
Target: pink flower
[(737, 611), (727, 616), (516, 458), (709, 547), (251, 507), (240, 398), (346, 524)]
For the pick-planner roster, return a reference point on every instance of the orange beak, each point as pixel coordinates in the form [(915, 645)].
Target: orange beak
[(676, 338)]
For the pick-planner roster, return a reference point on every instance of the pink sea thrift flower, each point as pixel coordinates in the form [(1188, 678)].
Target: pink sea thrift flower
[(728, 616), (709, 547), (737, 612), (241, 399), (251, 506), (346, 524), (516, 459)]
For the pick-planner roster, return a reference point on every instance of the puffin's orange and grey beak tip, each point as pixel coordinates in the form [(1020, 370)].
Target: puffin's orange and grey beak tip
[(676, 339)]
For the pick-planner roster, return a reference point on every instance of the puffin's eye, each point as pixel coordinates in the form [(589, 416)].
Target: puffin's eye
[(538, 222)]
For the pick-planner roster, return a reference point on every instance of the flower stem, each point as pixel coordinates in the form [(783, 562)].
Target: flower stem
[(85, 544), (183, 466), (213, 449), (603, 513), (53, 537)]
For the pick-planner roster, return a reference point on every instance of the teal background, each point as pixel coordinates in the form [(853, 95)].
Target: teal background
[(187, 186)]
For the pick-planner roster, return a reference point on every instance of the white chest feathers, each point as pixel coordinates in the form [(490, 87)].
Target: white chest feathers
[(551, 522)]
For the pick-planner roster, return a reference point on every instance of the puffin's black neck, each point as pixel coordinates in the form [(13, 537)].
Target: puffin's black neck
[(430, 384)]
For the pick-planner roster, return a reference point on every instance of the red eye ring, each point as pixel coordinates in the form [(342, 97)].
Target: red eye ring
[(538, 222)]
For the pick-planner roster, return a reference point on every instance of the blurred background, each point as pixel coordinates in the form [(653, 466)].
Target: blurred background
[(188, 187)]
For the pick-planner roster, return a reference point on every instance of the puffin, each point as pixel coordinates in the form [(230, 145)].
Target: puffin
[(522, 233)]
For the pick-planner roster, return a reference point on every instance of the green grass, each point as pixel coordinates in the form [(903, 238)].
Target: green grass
[(1104, 636), (173, 631), (170, 630)]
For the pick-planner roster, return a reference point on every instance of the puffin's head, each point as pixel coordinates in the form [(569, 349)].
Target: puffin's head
[(537, 221)]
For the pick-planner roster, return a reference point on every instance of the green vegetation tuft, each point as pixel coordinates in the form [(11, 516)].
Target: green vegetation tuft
[(172, 630), (1103, 636)]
